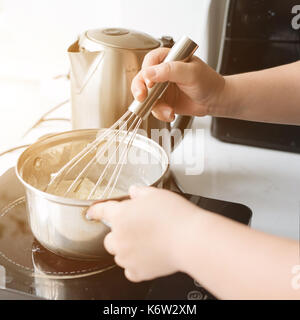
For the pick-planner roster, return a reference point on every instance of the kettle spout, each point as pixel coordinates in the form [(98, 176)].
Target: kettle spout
[(83, 64)]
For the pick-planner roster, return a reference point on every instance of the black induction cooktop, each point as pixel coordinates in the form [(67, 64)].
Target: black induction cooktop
[(29, 271)]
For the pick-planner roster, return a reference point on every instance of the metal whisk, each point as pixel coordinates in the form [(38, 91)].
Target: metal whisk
[(182, 50)]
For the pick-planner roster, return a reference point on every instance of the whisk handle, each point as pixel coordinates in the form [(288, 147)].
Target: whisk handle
[(182, 50)]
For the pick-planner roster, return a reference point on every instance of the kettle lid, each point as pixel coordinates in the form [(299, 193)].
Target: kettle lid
[(120, 38)]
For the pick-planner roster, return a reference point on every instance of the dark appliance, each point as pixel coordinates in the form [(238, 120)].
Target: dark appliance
[(258, 34)]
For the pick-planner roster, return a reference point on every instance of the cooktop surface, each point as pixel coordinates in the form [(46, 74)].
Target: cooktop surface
[(29, 271)]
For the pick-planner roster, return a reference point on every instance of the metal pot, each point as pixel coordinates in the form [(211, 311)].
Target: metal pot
[(59, 223)]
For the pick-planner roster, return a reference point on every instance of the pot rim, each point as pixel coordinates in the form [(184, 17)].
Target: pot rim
[(71, 201)]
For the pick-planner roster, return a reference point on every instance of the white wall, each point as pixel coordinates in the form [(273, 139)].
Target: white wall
[(34, 34), (168, 17), (202, 20)]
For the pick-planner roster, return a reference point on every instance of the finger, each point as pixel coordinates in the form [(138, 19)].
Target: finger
[(136, 191), (131, 276), (174, 71), (138, 87), (119, 261), (109, 243), (155, 56), (103, 211), (163, 111)]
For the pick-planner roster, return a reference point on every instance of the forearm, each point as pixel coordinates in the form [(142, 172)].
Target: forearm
[(236, 262), (271, 95)]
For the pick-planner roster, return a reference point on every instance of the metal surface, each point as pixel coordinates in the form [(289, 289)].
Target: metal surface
[(117, 38), (59, 223), (103, 64)]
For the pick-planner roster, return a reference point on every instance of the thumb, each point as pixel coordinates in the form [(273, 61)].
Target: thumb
[(102, 211), (139, 191), (173, 71)]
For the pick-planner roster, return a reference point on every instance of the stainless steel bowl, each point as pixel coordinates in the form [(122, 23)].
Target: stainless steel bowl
[(59, 223)]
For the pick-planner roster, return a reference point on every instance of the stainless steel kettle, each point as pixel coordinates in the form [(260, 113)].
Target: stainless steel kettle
[(103, 64)]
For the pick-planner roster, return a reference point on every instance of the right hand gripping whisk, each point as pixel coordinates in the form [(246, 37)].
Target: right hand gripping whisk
[(182, 50)]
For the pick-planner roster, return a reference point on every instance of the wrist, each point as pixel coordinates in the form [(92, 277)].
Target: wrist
[(186, 245), (224, 102)]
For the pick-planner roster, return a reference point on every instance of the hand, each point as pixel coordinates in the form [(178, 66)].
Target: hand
[(194, 89), (146, 231)]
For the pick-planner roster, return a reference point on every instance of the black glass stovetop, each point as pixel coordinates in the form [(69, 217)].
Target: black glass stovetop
[(29, 271)]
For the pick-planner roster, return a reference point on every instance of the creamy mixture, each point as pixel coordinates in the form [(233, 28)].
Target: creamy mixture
[(83, 190)]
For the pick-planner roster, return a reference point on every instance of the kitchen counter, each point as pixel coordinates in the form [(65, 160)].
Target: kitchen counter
[(267, 181)]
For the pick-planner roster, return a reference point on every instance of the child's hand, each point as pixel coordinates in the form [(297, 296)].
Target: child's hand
[(194, 89), (147, 231)]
